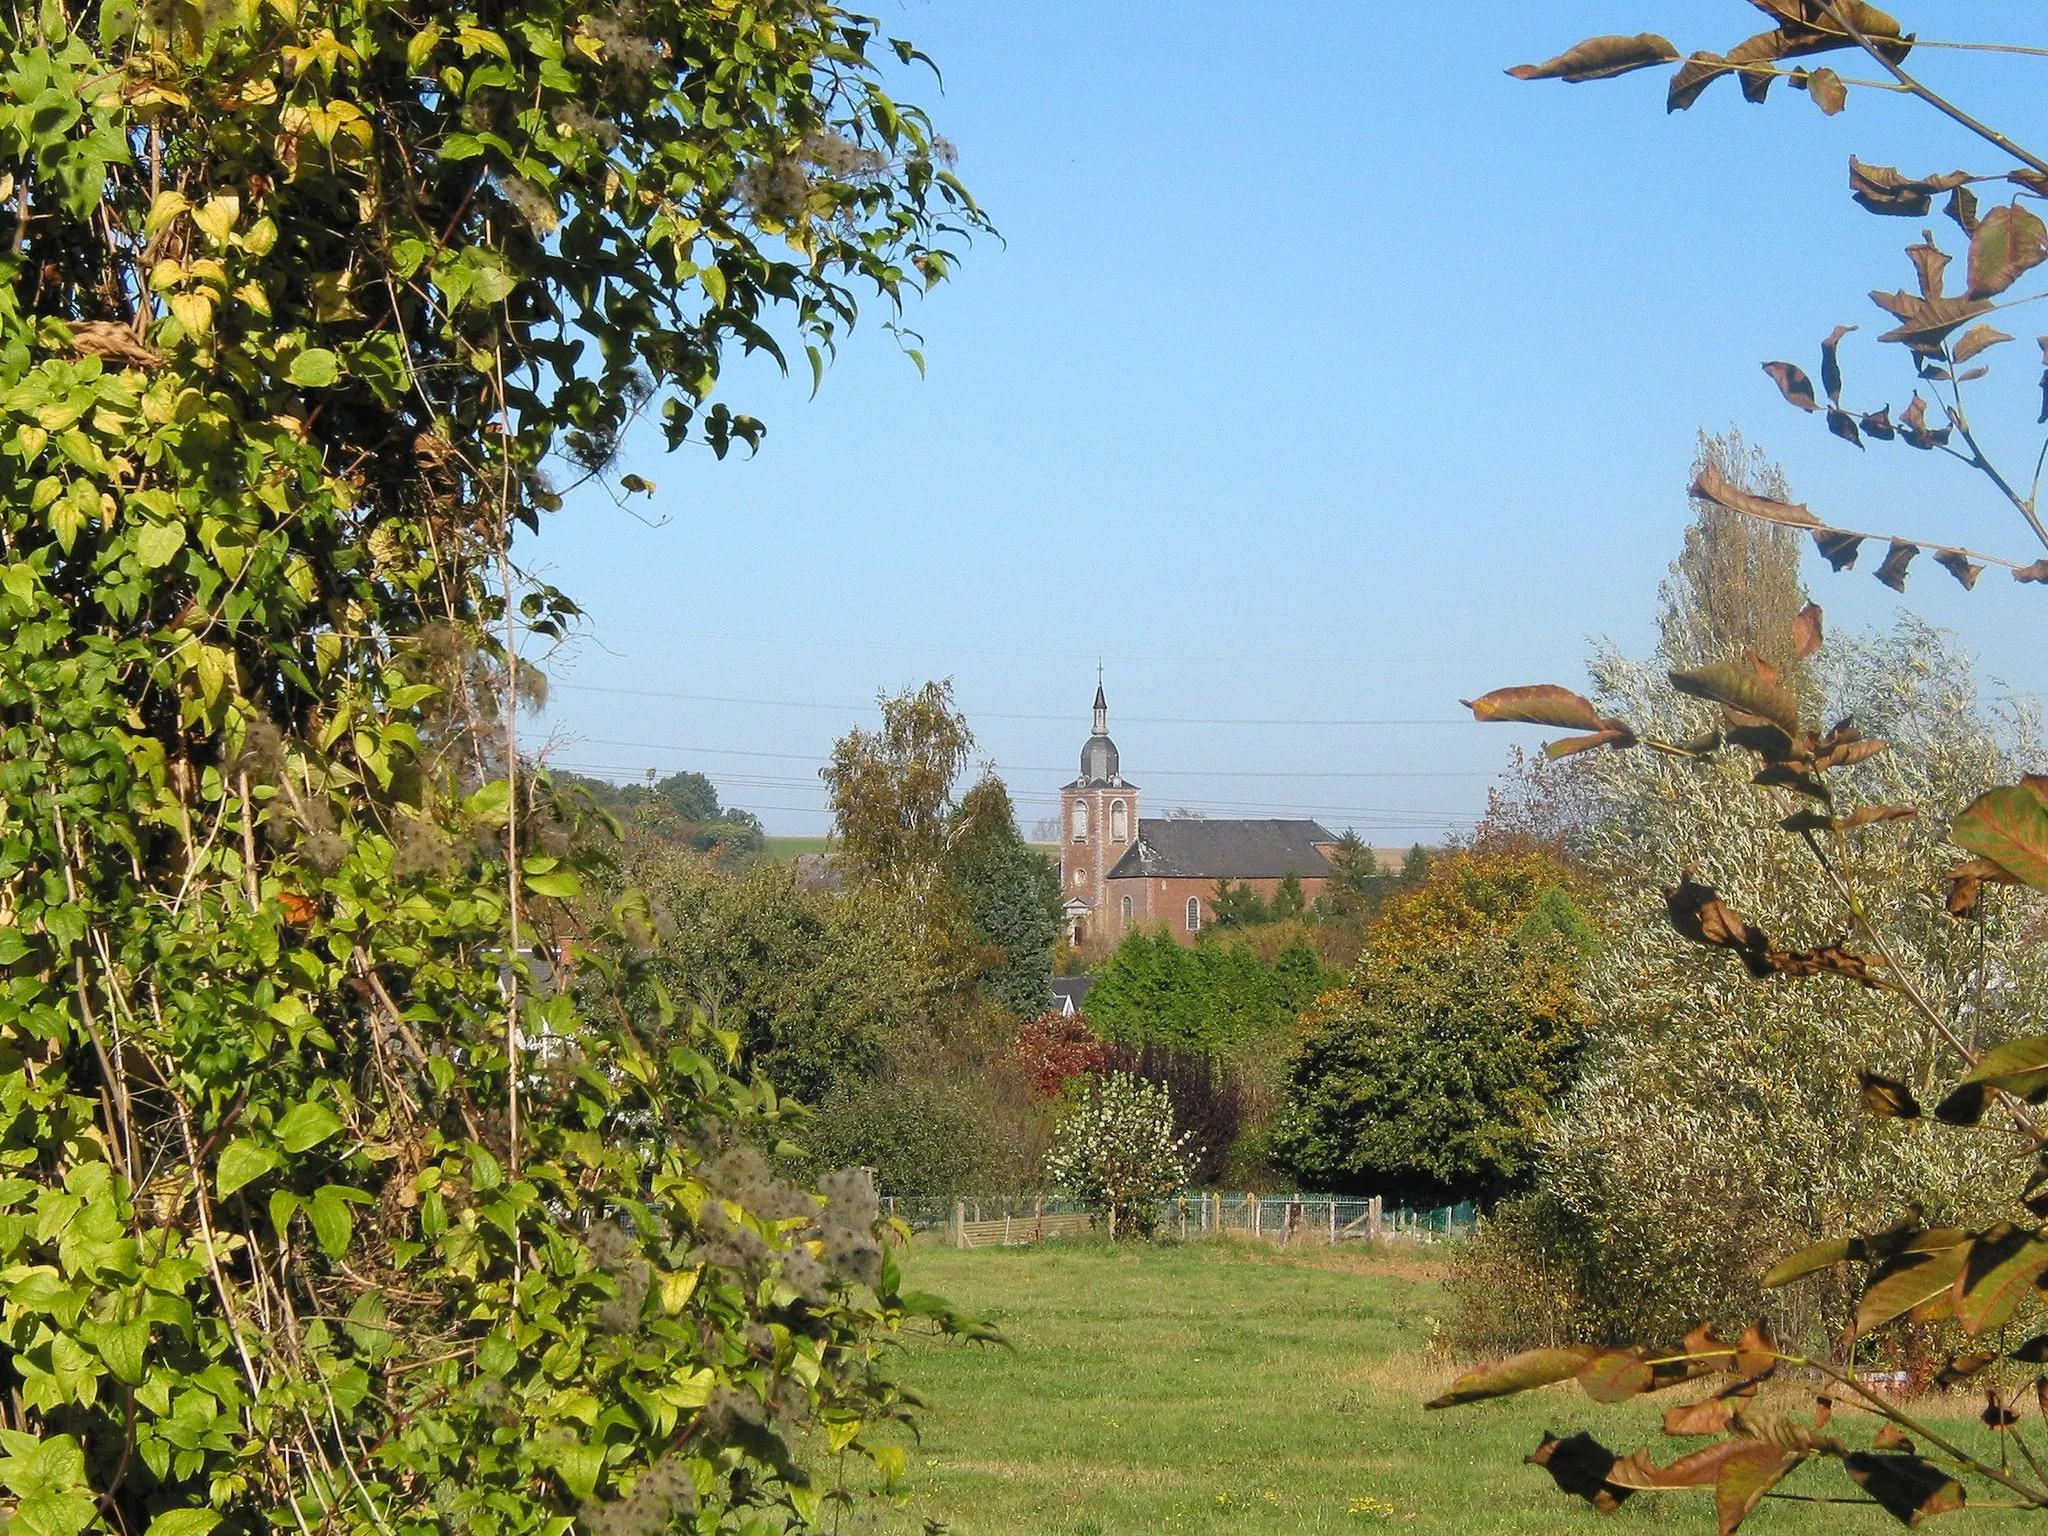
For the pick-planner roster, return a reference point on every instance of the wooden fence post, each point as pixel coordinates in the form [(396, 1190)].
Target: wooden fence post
[(1253, 1200), (959, 1223), (1333, 1223), (1373, 1218), (1038, 1218)]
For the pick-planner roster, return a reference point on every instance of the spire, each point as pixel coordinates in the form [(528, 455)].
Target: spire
[(1101, 704)]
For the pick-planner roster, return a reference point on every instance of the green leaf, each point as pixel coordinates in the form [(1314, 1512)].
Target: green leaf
[(124, 1346), (2007, 1065), (157, 544), (240, 1161), (579, 1466), (314, 368), (1517, 1373), (1913, 1279), (184, 1522), (333, 1222), (283, 1206), (307, 1126), (1810, 1260), (562, 885), (2008, 826)]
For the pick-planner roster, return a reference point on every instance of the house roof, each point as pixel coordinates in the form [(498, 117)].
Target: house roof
[(1225, 850), (1070, 992)]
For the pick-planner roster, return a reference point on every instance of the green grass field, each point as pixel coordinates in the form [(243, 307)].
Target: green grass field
[(1222, 1388)]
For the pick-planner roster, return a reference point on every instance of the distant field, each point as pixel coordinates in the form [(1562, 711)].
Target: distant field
[(785, 849), (1215, 1388)]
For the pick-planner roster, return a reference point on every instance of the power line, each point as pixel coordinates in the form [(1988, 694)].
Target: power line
[(985, 714), (1175, 773)]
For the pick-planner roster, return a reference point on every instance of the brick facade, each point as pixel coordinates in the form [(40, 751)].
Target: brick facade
[(1099, 827)]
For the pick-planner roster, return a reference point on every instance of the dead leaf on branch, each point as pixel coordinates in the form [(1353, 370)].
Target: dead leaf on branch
[(1709, 1417), (1827, 960), (2038, 571), (1927, 324), (1869, 815), (1881, 189), (115, 342), (1962, 207), (1791, 776), (1566, 746), (1976, 339), (1518, 1373), (1793, 384), (1837, 548), (1827, 91), (1996, 1416), (1831, 363), (1893, 572), (1806, 630), (1958, 565), (1887, 1097), (1579, 1466), (1929, 262), (2008, 827), (1878, 424), (1742, 687), (1909, 1488), (1843, 425), (1710, 485), (1699, 914), (2009, 242), (1914, 429), (1601, 58)]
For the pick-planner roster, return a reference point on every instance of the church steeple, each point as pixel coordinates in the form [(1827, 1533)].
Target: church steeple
[(1101, 706), (1098, 756)]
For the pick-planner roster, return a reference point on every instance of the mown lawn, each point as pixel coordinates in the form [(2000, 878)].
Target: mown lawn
[(1215, 1388)]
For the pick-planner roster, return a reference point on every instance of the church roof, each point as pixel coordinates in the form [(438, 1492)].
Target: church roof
[(1225, 850)]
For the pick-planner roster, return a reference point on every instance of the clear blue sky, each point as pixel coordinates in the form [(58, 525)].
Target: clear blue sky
[(1323, 373)]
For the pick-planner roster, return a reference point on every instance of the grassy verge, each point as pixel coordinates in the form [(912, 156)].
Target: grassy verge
[(1215, 1388)]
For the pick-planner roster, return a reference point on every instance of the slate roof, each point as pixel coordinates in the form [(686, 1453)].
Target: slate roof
[(1224, 850), (1070, 992)]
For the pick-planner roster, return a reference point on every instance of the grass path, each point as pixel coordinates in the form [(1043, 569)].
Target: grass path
[(1219, 1388)]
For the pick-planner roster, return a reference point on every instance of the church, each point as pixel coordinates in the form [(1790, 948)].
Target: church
[(1122, 871)]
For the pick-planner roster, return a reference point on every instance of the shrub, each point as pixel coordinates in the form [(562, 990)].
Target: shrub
[(1054, 1050), (1209, 1097), (1118, 1149)]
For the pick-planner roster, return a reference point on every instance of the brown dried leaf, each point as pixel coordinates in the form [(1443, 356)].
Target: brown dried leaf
[(1767, 741), (1910, 1489), (1893, 572), (1927, 325), (1790, 776), (1914, 429), (1976, 339), (1616, 1375), (1958, 565), (2003, 1265), (1703, 1418), (1996, 1416), (1882, 189), (2033, 1352), (115, 342), (1693, 77), (1745, 1477), (1888, 1098), (1846, 752), (1806, 630), (1827, 960), (2010, 241), (1843, 425), (1579, 1466), (1711, 485), (1839, 549), (1538, 704), (1701, 1469), (1929, 262), (1756, 1353), (1827, 91), (1793, 384), (2038, 571), (1891, 1438), (1878, 424), (1831, 363), (1957, 1369), (1962, 207), (1601, 58), (1565, 746), (1910, 1280)]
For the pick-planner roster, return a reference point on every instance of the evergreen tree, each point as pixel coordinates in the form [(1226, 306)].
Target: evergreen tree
[(1013, 899)]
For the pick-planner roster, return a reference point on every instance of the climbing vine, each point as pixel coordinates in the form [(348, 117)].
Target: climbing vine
[(355, 1176)]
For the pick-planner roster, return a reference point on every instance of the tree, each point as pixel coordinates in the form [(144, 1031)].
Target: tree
[(336, 1193), (1758, 713), (1735, 587), (1433, 1074), (892, 789), (1238, 906), (1013, 899), (1119, 1151), (1209, 998)]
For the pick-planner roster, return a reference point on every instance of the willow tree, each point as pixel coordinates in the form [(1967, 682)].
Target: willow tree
[(345, 1190)]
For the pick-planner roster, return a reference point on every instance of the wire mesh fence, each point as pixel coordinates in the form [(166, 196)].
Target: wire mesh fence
[(1005, 1220)]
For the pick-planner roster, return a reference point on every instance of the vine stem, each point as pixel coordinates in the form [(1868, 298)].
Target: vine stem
[(1941, 104)]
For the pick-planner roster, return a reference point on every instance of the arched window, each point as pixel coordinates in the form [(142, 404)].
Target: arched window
[(1080, 821), (1127, 911), (1118, 825), (1194, 915)]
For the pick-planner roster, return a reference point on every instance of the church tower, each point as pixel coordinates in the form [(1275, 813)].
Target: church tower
[(1098, 825)]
